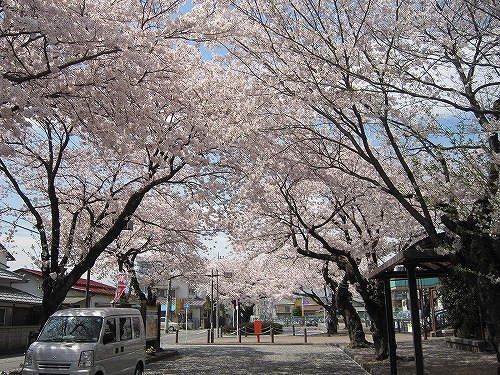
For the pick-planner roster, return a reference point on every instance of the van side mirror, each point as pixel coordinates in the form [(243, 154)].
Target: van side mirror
[(108, 337)]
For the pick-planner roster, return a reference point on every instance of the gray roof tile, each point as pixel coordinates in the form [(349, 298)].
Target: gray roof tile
[(8, 294), (11, 276)]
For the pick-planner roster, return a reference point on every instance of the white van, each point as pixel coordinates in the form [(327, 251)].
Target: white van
[(89, 341)]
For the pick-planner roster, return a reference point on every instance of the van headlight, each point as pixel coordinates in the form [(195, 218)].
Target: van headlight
[(28, 358), (86, 359)]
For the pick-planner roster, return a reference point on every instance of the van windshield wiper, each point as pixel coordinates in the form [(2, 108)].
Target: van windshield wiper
[(52, 339), (91, 339)]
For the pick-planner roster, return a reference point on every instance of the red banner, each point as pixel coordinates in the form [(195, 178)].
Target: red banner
[(121, 286)]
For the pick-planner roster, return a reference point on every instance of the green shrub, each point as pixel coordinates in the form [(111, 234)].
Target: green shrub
[(461, 307)]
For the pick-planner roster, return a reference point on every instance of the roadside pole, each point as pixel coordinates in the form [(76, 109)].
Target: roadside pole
[(238, 320), (186, 306)]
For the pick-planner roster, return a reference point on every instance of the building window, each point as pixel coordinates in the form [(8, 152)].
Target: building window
[(2, 317)]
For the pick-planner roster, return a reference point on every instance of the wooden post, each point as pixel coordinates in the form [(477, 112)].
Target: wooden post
[(415, 320), (158, 327), (390, 326)]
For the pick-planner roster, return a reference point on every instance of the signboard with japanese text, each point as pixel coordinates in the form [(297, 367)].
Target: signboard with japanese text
[(151, 323)]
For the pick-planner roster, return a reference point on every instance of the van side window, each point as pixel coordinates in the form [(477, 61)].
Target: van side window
[(110, 330), (125, 329), (137, 327)]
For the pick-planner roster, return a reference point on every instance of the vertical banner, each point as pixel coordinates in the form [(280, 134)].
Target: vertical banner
[(121, 286)]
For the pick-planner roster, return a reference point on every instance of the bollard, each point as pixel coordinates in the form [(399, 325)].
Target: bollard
[(246, 334), (272, 334), (239, 336), (305, 335), (176, 336), (293, 329), (208, 336)]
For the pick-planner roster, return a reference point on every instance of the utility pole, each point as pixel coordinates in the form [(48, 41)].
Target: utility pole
[(212, 309), (217, 304)]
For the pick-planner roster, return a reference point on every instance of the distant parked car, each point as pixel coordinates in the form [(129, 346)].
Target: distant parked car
[(312, 323), (172, 326)]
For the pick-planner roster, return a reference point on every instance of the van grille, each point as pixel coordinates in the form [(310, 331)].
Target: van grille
[(58, 366)]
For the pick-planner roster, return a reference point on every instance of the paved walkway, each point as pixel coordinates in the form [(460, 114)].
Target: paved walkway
[(438, 359), (250, 359)]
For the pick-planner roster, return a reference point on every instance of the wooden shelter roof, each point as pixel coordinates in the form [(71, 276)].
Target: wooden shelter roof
[(427, 263)]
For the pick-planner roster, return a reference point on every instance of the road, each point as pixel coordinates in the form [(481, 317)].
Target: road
[(256, 359)]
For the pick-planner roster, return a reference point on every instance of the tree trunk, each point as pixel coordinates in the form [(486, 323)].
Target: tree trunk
[(246, 312), (352, 320), (53, 297), (332, 326), (375, 307)]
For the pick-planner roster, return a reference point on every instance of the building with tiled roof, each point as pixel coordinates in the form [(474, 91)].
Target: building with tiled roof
[(100, 294), (17, 307), (20, 311), (21, 302)]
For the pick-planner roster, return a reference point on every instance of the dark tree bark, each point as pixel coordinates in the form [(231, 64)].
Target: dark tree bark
[(353, 324), (127, 260), (246, 312), (375, 307)]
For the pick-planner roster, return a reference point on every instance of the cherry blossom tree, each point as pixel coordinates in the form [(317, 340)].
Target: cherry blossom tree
[(106, 108), (164, 240), (262, 278), (322, 214), (411, 88)]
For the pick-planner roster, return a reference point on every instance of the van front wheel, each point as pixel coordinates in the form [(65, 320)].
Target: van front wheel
[(138, 369)]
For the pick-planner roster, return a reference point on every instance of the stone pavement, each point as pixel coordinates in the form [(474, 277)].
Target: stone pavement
[(438, 359), (250, 359)]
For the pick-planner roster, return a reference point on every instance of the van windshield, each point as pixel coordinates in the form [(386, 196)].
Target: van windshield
[(71, 329)]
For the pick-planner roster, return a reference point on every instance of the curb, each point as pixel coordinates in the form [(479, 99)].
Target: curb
[(367, 362)]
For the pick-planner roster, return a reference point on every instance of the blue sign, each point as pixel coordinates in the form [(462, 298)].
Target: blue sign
[(187, 305)]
